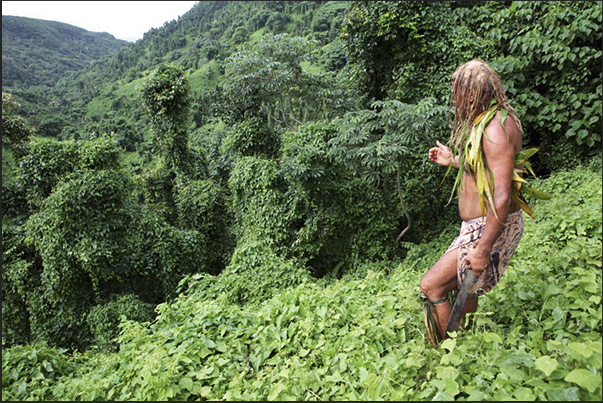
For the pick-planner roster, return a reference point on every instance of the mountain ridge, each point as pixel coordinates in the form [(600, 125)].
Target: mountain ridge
[(37, 52)]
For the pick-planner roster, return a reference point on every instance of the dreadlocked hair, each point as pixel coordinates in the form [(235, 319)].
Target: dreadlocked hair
[(473, 85)]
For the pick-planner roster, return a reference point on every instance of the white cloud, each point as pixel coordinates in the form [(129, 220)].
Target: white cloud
[(127, 20)]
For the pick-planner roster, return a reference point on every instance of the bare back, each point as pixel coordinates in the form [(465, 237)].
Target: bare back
[(499, 154)]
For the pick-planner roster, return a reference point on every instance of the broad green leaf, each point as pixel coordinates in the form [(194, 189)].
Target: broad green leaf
[(47, 366), (490, 337), (276, 391), (186, 383), (596, 346), (553, 345), (524, 394), (546, 364), (442, 397), (167, 392), (552, 289), (220, 346), (222, 361), (585, 379), (515, 375), (196, 389), (581, 349), (447, 385), (205, 391), (449, 344), (452, 387), (562, 394), (444, 372), (476, 396)]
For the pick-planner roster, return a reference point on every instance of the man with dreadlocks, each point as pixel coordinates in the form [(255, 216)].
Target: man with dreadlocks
[(483, 145)]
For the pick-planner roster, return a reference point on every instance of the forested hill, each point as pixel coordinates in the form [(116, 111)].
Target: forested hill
[(552, 74), (102, 97), (38, 52)]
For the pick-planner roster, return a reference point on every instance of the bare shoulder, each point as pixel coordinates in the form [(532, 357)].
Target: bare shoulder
[(499, 138)]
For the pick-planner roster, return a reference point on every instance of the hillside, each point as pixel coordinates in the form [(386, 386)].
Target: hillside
[(386, 46), (537, 335), (102, 97), (252, 147), (38, 53)]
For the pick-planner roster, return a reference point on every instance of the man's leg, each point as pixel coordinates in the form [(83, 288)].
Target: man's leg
[(436, 283)]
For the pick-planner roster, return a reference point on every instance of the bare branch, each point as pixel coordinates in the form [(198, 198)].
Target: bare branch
[(403, 208), (293, 117)]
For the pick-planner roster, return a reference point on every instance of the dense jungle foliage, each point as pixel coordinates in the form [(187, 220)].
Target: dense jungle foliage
[(239, 206), (537, 336)]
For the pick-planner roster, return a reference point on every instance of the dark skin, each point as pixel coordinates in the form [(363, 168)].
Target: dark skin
[(499, 152)]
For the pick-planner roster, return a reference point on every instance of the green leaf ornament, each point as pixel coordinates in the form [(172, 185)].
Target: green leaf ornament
[(473, 158)]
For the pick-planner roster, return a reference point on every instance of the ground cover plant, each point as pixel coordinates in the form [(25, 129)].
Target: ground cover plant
[(537, 336)]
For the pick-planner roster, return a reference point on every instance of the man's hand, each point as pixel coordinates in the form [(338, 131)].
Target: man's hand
[(477, 260), (440, 154)]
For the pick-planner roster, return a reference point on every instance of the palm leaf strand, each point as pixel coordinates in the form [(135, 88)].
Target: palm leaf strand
[(473, 161)]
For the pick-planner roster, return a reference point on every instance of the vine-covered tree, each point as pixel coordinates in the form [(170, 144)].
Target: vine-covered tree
[(407, 50), (380, 146), (15, 131), (550, 60), (166, 97), (547, 53), (270, 80)]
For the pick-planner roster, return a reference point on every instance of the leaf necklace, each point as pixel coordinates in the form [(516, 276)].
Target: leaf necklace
[(481, 174)]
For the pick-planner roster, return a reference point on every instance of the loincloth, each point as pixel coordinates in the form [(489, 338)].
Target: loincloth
[(501, 254)]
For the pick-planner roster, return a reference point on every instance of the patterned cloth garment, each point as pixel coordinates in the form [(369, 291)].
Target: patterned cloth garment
[(502, 251)]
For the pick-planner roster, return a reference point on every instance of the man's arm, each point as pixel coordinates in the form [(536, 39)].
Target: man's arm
[(499, 153)]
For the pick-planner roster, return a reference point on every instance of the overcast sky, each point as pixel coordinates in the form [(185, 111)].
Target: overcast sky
[(127, 20)]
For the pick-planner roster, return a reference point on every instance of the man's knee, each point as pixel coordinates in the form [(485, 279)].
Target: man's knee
[(435, 285), (427, 284)]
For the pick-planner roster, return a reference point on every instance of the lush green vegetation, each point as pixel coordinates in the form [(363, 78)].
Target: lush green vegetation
[(536, 337), (38, 53), (548, 54), (239, 206)]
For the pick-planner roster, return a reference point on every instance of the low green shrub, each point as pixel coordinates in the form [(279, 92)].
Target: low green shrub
[(254, 275), (103, 319), (35, 372)]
